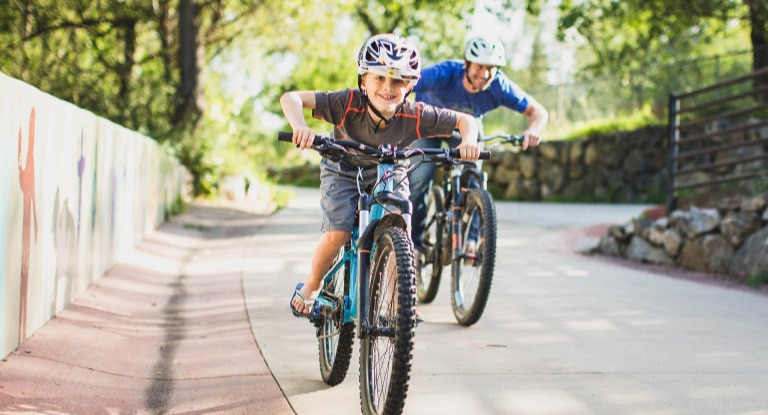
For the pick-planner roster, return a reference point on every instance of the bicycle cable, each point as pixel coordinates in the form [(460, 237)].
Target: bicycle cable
[(359, 179)]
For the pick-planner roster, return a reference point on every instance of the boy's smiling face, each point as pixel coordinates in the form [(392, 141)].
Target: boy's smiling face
[(385, 93)]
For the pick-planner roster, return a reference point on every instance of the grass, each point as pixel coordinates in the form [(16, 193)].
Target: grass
[(630, 122)]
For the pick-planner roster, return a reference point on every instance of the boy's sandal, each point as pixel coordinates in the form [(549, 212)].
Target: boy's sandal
[(308, 302)]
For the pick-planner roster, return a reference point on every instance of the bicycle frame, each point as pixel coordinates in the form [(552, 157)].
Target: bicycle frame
[(455, 193), (371, 211), (454, 201), (369, 291)]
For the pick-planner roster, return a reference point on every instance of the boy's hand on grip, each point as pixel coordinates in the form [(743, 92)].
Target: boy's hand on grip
[(303, 138)]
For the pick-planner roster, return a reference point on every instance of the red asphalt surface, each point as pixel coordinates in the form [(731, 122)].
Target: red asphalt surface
[(164, 332)]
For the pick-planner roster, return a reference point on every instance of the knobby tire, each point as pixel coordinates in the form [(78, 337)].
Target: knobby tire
[(386, 349), (428, 276), (471, 280), (335, 350)]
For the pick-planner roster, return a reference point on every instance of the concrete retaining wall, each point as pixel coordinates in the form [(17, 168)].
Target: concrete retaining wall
[(76, 193)]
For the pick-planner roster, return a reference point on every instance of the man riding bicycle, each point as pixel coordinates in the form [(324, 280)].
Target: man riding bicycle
[(475, 87)]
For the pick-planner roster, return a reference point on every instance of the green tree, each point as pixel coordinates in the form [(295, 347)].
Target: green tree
[(630, 35), (146, 64)]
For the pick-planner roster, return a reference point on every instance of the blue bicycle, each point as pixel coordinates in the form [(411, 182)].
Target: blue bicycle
[(370, 290)]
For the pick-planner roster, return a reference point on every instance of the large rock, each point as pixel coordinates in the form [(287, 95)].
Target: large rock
[(698, 222), (752, 258), (575, 151), (672, 242), (527, 165), (551, 151), (755, 204), (657, 230), (719, 253), (609, 246), (738, 225), (709, 253), (640, 250), (636, 162), (504, 174)]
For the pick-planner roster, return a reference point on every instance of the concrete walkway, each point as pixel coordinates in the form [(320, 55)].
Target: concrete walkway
[(165, 332)]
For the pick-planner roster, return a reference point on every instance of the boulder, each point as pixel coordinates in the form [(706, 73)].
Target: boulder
[(640, 250), (738, 225), (752, 258), (699, 221), (672, 242)]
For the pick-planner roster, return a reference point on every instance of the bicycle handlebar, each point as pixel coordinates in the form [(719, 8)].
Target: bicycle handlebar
[(331, 144), (515, 140)]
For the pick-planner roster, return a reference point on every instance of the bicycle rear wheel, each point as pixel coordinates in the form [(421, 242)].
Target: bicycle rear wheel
[(431, 268), (471, 277), (334, 337), (387, 344)]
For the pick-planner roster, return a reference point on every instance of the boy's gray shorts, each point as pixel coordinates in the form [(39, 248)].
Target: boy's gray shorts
[(339, 192)]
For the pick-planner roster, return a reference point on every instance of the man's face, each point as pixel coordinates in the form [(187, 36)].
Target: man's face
[(479, 76)]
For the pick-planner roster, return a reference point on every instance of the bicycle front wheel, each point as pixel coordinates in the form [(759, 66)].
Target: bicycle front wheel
[(430, 264), (387, 344), (472, 272), (334, 337)]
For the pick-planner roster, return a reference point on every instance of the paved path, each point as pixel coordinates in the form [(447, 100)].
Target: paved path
[(197, 322), (562, 334)]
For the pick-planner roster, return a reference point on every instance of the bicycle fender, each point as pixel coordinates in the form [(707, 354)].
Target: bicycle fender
[(365, 242), (389, 221)]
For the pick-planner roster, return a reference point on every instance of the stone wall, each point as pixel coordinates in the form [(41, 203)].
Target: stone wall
[(631, 167), (623, 167), (730, 240)]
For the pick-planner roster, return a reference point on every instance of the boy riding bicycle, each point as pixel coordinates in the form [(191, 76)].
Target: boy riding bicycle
[(374, 113)]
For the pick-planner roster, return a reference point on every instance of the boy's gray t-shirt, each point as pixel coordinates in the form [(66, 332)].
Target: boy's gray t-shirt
[(346, 110)]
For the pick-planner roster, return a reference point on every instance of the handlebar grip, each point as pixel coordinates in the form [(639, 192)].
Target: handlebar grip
[(288, 137), (484, 154)]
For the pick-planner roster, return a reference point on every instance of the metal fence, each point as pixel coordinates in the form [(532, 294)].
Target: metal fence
[(718, 142), (577, 105)]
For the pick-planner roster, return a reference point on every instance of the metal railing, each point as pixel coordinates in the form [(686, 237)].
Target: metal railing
[(718, 142)]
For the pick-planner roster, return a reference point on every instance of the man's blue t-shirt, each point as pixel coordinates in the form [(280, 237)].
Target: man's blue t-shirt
[(441, 86)]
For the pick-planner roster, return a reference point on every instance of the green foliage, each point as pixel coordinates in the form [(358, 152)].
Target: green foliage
[(179, 206), (630, 122), (667, 32), (758, 280)]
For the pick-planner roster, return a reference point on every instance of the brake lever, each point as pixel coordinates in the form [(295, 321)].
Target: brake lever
[(331, 151)]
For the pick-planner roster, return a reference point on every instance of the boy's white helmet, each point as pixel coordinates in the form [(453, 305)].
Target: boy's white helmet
[(485, 50), (389, 55)]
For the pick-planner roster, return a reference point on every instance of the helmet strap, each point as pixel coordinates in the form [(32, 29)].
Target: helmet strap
[(378, 114)]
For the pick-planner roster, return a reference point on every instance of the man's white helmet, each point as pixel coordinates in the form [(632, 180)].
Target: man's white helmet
[(389, 55), (485, 50)]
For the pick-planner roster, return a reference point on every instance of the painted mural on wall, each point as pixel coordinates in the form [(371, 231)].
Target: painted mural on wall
[(81, 192), (29, 215)]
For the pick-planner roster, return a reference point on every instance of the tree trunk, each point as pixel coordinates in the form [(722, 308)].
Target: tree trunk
[(189, 97), (162, 11), (758, 19), (126, 70)]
